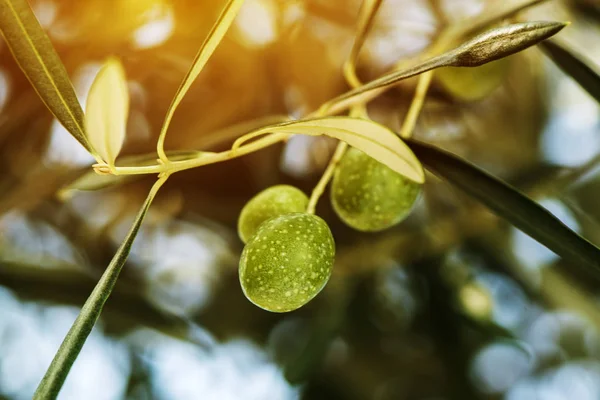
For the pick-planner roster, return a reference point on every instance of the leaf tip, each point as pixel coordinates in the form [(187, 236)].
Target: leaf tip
[(421, 176), (114, 66), (107, 109), (504, 41), (555, 27)]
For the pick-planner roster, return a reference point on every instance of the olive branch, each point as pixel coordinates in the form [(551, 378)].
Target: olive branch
[(101, 130)]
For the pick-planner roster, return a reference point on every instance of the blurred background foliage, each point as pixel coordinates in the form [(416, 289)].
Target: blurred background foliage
[(452, 304)]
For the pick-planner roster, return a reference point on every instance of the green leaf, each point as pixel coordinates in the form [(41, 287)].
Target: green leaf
[(106, 111), (36, 56), (211, 42), (368, 136), (489, 46), (510, 204), (66, 355), (575, 65)]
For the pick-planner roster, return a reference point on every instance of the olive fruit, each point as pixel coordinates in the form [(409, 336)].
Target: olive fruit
[(369, 196), (271, 202), (471, 84), (287, 262)]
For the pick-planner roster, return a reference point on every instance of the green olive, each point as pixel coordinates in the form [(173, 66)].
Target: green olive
[(271, 202), (369, 196), (287, 262), (470, 84)]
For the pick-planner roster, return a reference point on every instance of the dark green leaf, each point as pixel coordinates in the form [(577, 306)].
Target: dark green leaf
[(575, 65), (509, 203), (66, 355), (36, 56)]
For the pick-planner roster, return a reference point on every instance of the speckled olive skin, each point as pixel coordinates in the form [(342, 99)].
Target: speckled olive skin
[(271, 202), (368, 196), (287, 262)]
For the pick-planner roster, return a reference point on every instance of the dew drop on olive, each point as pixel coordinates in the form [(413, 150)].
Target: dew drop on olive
[(369, 196), (271, 202), (287, 262)]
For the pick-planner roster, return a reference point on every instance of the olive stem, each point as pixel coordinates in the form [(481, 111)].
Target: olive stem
[(196, 161), (447, 37), (443, 42), (359, 110), (326, 177), (410, 120), (353, 99)]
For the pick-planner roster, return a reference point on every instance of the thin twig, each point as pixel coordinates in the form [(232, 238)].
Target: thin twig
[(410, 120), (326, 177), (367, 14)]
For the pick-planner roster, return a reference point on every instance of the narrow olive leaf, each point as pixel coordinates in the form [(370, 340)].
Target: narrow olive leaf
[(211, 42), (502, 42), (489, 46), (36, 56), (575, 65), (106, 111), (507, 202), (66, 355), (368, 136)]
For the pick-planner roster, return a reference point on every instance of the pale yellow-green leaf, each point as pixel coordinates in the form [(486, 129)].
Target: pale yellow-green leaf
[(106, 111), (368, 136), (211, 42), (36, 56)]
